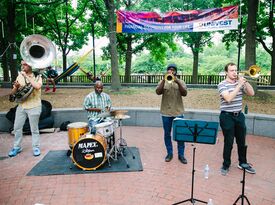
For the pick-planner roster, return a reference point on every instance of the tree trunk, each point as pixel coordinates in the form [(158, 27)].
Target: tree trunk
[(272, 29), (64, 60), (11, 39), (4, 61), (273, 64), (195, 64), (115, 85), (250, 44), (128, 64)]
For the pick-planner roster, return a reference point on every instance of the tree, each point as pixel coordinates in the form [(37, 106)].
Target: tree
[(250, 33), (67, 27), (110, 6), (265, 28)]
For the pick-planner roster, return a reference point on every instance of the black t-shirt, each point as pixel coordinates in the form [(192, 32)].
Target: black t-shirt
[(52, 73)]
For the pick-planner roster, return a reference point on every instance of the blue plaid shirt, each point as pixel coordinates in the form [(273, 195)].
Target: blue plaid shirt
[(94, 100)]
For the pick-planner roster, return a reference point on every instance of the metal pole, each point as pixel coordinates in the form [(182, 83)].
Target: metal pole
[(239, 42), (93, 35)]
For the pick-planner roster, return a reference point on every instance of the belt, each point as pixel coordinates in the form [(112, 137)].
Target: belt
[(235, 114)]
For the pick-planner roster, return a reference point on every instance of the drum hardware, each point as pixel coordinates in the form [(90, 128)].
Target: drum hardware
[(120, 145)]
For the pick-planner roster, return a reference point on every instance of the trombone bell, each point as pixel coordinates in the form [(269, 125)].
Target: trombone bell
[(253, 71)]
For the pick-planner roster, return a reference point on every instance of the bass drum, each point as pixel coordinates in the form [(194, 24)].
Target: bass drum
[(90, 152)]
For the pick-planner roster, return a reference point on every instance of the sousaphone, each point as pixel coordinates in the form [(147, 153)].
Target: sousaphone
[(38, 52)]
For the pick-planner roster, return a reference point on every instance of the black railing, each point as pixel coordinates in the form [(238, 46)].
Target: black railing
[(153, 79)]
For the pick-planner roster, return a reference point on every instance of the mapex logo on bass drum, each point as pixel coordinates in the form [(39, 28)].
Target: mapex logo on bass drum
[(87, 145)]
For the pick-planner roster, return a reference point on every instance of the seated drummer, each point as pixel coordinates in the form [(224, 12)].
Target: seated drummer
[(95, 103)]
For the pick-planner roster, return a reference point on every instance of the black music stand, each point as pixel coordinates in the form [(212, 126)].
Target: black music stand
[(242, 196), (194, 131)]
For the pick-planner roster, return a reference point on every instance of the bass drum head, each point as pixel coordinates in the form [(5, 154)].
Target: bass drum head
[(90, 152)]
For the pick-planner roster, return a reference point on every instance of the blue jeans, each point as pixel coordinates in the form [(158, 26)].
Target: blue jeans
[(167, 126), (91, 124)]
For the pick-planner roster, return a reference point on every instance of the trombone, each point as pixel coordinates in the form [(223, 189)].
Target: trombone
[(253, 74)]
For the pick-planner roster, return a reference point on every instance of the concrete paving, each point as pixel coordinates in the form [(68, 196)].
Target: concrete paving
[(160, 183)]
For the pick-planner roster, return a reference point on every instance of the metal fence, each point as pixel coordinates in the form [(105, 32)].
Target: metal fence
[(153, 79)]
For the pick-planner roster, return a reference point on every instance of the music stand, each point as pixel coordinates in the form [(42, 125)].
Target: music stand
[(194, 131), (242, 195)]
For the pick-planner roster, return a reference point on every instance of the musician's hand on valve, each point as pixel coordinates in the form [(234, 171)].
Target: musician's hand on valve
[(241, 81), (16, 84)]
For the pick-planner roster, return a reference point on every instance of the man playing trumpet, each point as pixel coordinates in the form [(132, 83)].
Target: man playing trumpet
[(172, 89), (232, 120)]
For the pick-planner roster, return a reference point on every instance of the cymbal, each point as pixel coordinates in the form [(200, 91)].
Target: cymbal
[(118, 112), (122, 117), (105, 114)]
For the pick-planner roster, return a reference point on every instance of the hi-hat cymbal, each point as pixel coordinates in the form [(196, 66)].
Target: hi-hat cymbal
[(122, 117)]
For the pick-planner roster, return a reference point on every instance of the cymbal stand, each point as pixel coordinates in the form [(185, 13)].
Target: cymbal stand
[(119, 147)]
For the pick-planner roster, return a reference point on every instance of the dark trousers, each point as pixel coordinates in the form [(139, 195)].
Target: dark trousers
[(233, 126)]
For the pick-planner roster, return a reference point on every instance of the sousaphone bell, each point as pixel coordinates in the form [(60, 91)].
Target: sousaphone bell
[(38, 51)]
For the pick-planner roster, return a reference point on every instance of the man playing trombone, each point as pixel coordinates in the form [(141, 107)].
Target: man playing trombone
[(232, 120)]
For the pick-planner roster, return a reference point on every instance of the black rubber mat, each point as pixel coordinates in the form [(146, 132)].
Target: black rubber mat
[(58, 163)]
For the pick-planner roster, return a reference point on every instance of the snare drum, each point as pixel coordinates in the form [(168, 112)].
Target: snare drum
[(90, 152), (105, 128), (75, 131)]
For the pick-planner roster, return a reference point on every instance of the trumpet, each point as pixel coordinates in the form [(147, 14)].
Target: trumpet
[(169, 77)]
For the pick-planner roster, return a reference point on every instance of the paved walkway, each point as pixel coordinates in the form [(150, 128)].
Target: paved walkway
[(160, 183)]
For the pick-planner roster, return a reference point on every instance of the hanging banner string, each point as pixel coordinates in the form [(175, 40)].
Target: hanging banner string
[(2, 25), (26, 22), (33, 25), (10, 44)]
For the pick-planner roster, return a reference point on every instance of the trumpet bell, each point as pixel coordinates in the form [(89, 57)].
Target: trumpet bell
[(169, 77), (37, 51)]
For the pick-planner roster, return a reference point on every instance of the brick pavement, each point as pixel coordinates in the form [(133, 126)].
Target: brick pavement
[(160, 183)]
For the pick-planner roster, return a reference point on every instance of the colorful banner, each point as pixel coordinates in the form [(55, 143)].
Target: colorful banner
[(225, 18)]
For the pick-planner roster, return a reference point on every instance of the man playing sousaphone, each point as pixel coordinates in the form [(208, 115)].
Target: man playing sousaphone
[(29, 107), (95, 103)]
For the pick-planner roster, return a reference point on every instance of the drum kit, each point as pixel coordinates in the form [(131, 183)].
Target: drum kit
[(91, 151)]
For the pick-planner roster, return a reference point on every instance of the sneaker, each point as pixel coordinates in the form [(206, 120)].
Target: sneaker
[(182, 160), (169, 157), (47, 89), (248, 168), (36, 151), (15, 151), (54, 89), (224, 170)]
